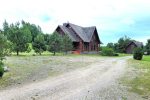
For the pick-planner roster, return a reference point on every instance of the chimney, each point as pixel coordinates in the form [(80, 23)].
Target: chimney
[(65, 24)]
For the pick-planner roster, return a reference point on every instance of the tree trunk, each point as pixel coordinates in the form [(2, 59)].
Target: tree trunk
[(66, 52), (54, 53), (17, 52)]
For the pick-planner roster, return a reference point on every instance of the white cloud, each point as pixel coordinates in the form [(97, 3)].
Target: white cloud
[(105, 14)]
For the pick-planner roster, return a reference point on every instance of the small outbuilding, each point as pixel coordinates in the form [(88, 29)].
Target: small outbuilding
[(133, 44)]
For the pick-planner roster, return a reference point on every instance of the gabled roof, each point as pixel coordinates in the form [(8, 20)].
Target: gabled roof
[(138, 44), (83, 32), (70, 33), (88, 31), (77, 32)]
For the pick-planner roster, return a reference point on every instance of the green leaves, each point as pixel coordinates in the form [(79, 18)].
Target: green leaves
[(1, 69), (19, 34), (67, 43), (22, 36), (147, 47), (138, 53), (58, 43), (39, 44), (3, 46), (107, 51), (55, 43), (120, 45)]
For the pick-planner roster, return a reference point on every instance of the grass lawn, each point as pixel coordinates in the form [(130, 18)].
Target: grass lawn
[(123, 54), (27, 68), (138, 78), (146, 58)]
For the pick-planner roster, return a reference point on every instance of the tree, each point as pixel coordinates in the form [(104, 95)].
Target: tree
[(6, 28), (39, 44), (147, 47), (66, 43), (116, 47), (46, 38), (3, 46), (55, 43), (35, 30), (122, 43), (19, 36), (110, 45)]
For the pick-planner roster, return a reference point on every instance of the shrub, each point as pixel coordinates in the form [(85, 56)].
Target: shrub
[(138, 53), (116, 54), (107, 51), (1, 69)]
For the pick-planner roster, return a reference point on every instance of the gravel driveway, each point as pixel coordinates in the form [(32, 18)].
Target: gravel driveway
[(97, 81)]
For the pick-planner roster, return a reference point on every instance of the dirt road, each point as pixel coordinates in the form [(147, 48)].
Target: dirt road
[(97, 81)]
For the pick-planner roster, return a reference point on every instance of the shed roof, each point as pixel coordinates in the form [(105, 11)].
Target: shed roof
[(137, 43)]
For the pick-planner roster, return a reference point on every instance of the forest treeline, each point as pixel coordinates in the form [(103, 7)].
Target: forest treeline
[(24, 37)]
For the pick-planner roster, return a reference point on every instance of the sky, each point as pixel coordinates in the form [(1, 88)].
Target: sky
[(112, 18)]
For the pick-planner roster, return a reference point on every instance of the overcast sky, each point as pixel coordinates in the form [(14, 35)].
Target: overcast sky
[(113, 18)]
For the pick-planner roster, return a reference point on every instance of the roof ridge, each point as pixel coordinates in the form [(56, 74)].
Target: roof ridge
[(81, 26), (79, 33)]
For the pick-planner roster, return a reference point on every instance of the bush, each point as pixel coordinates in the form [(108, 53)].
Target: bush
[(1, 69), (116, 54), (107, 51), (138, 53)]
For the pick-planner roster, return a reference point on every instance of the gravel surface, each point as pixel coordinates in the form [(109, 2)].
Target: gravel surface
[(97, 81)]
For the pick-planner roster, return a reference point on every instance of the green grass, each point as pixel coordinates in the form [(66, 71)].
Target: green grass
[(45, 53), (121, 55), (124, 55), (138, 80), (146, 58)]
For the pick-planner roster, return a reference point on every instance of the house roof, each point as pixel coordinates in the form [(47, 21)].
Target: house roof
[(76, 32), (70, 33), (137, 43)]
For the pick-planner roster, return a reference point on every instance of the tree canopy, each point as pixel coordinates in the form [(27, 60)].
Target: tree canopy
[(19, 36), (67, 43), (3, 46), (55, 43), (120, 45), (39, 44), (59, 43), (147, 47)]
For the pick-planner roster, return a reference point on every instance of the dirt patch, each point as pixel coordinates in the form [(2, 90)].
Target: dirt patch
[(27, 69), (97, 81)]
